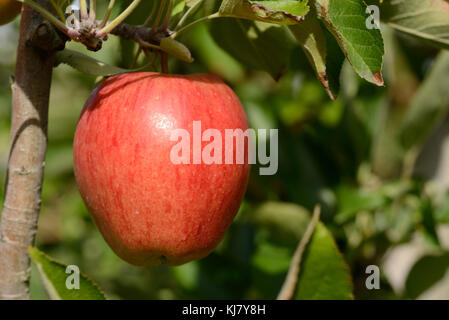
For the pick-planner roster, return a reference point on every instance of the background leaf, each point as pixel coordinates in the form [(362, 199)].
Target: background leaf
[(427, 20), (430, 104), (321, 51), (286, 221), (426, 272), (255, 44)]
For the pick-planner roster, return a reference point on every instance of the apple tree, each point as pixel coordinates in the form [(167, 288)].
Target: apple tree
[(340, 42)]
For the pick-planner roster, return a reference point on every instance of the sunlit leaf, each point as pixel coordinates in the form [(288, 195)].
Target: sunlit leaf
[(346, 20), (54, 277), (324, 275)]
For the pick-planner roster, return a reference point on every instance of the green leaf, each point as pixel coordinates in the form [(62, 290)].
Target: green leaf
[(178, 8), (429, 223), (87, 65), (428, 271), (256, 45), (442, 211), (427, 20), (326, 63), (176, 49), (54, 277), (429, 105), (323, 273), (352, 200), (192, 3), (187, 275), (271, 258), (334, 63), (364, 48), (279, 12), (311, 38), (214, 58), (286, 221)]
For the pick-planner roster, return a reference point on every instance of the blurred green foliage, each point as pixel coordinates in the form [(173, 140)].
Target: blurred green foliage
[(345, 155)]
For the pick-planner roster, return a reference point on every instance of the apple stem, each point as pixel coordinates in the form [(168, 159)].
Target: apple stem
[(164, 62)]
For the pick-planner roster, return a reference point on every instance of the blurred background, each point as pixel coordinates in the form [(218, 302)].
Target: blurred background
[(382, 185)]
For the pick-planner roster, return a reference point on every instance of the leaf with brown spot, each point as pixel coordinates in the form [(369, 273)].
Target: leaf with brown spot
[(363, 47), (278, 12)]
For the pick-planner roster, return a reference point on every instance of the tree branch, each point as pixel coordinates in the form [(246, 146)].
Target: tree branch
[(30, 90), (138, 33)]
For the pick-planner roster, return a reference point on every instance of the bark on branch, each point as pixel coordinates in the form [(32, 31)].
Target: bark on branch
[(30, 89), (137, 33)]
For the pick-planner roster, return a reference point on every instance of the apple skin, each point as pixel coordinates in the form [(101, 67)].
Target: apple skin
[(149, 210), (9, 9)]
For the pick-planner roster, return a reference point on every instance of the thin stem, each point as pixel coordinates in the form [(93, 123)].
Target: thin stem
[(207, 18), (150, 17), (83, 9), (164, 62), (104, 31), (168, 15), (289, 286), (58, 10), (158, 16), (148, 45), (108, 13), (186, 16), (47, 15), (92, 10)]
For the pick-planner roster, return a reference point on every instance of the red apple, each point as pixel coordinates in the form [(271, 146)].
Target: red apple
[(150, 210)]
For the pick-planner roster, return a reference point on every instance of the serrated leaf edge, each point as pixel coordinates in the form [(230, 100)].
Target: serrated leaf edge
[(33, 250)]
